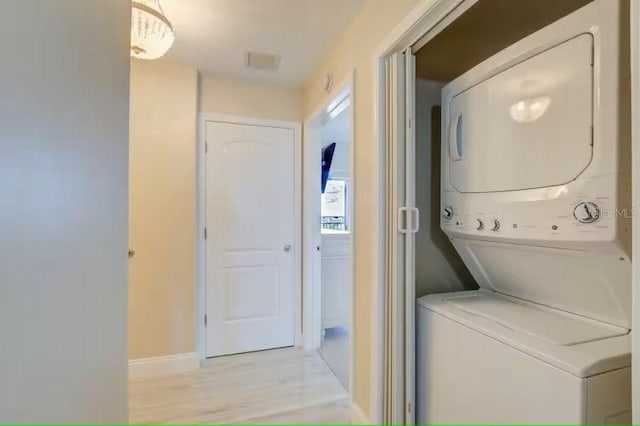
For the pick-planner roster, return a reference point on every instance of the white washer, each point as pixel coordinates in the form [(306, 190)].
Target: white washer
[(536, 200), (488, 358)]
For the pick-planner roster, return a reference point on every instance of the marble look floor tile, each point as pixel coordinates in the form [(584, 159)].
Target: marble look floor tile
[(237, 388), (336, 412), (335, 352)]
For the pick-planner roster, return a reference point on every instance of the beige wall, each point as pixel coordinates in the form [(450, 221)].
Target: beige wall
[(163, 176), (64, 125), (354, 50), (162, 209), (234, 97), (165, 98)]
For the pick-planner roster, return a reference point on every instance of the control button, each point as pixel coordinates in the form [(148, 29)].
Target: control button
[(586, 212), (496, 225), (448, 212), (480, 226)]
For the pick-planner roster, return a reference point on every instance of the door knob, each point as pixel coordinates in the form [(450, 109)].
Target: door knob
[(131, 253), (287, 248)]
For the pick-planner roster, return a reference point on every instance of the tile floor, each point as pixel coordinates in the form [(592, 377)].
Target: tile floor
[(286, 385), (335, 351)]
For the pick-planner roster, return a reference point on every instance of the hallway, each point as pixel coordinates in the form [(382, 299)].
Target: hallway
[(286, 385)]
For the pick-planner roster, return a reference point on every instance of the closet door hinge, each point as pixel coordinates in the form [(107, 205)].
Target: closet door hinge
[(205, 320), (205, 233), (206, 147)]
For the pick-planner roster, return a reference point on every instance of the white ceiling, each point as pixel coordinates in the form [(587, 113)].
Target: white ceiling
[(214, 36)]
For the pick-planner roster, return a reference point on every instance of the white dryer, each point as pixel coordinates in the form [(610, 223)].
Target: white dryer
[(536, 200)]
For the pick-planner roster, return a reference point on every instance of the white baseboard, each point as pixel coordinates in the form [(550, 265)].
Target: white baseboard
[(163, 365), (357, 416)]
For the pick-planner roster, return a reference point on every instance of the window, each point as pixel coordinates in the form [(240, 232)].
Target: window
[(334, 206)]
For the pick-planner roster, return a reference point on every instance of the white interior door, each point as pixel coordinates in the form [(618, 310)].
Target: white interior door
[(411, 227), (250, 222), (402, 224), (396, 225)]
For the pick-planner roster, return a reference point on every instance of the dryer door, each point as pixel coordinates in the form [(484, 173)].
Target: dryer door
[(529, 126)]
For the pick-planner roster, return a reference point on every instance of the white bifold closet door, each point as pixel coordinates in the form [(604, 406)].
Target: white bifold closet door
[(402, 223)]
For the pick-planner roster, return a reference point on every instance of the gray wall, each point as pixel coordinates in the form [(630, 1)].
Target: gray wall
[(64, 97), (438, 266)]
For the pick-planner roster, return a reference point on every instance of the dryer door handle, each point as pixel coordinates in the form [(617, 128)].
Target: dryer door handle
[(455, 138)]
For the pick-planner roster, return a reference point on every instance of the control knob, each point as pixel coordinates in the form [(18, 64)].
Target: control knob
[(496, 225), (586, 212), (448, 212)]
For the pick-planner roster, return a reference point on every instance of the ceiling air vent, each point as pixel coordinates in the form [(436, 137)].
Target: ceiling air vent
[(262, 61)]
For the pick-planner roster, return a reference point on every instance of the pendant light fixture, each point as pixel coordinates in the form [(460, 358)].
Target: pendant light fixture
[(151, 31)]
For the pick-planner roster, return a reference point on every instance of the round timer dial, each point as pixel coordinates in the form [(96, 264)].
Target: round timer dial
[(586, 212), (447, 212)]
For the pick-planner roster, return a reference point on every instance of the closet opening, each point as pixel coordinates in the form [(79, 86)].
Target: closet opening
[(504, 261), (470, 34)]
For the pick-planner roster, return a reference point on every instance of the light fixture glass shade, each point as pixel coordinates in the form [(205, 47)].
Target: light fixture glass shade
[(151, 32)]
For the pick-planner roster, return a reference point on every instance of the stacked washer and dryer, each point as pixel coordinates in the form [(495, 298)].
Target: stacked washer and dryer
[(536, 200)]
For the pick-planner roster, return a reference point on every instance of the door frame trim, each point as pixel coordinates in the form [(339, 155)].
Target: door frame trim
[(201, 283), (312, 308), (634, 16)]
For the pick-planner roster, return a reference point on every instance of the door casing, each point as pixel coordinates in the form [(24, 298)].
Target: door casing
[(311, 220)]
